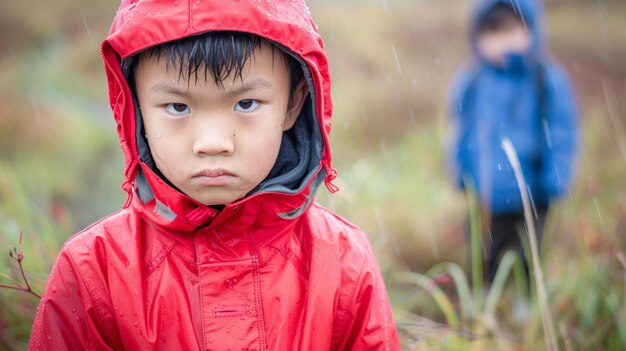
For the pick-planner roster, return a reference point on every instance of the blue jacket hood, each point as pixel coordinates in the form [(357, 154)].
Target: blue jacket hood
[(531, 12)]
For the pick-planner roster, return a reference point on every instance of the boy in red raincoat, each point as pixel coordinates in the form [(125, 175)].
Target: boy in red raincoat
[(223, 112)]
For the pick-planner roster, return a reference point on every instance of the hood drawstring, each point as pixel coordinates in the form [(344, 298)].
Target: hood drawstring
[(129, 184), (331, 174)]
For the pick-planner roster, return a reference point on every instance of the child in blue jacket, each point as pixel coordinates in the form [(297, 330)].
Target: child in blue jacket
[(511, 90)]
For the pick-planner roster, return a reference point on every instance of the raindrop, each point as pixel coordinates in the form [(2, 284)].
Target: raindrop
[(86, 27), (54, 289), (396, 58), (265, 30), (136, 324), (292, 39), (595, 203)]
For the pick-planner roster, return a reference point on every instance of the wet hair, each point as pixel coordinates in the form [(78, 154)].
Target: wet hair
[(498, 17), (220, 54)]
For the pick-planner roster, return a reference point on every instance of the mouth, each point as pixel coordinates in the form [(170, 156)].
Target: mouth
[(213, 177)]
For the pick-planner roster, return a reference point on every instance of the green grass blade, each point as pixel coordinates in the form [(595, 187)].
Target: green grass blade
[(503, 272), (438, 295), (462, 286)]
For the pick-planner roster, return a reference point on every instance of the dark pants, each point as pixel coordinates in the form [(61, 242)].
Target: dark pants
[(505, 232)]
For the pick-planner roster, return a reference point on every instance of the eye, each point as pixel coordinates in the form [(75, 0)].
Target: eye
[(177, 109), (248, 105)]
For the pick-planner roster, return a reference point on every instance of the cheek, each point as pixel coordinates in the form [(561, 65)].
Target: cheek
[(165, 149), (269, 147), (265, 148), (162, 156)]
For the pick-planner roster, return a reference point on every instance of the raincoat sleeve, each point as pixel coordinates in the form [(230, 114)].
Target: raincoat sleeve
[(366, 319), (67, 318), (561, 132)]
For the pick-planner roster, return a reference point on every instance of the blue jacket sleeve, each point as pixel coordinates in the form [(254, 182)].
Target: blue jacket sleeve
[(561, 131)]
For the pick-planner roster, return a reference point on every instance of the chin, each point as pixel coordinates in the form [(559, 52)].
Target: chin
[(217, 201)]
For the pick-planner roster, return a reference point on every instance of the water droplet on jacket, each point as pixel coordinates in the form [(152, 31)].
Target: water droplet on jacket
[(73, 310), (292, 39), (54, 289), (136, 324)]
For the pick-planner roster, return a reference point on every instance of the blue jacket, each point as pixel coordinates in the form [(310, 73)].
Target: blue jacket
[(529, 100)]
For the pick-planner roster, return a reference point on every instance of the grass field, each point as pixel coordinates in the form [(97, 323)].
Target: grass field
[(60, 164)]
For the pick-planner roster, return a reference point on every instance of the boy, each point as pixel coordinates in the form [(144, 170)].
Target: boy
[(223, 111), (511, 90)]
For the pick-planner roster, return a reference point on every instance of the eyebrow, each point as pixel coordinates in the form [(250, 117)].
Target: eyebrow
[(174, 89)]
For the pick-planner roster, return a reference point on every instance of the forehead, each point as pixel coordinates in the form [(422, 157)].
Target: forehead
[(215, 67)]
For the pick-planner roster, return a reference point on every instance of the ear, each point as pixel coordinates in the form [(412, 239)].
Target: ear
[(296, 101)]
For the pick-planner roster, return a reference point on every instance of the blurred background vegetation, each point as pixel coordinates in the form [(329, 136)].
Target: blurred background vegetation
[(392, 61)]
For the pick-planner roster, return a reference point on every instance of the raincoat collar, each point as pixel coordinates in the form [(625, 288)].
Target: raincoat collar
[(139, 25)]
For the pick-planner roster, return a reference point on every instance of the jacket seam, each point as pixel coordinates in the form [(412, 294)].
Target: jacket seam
[(342, 317), (204, 321), (179, 252), (160, 257), (258, 299), (90, 291)]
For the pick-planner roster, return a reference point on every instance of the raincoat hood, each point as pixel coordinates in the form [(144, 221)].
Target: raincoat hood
[(531, 12), (139, 25)]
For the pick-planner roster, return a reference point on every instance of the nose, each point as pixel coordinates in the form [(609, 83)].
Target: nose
[(213, 135)]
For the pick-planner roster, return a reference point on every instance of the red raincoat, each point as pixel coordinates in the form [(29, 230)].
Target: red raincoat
[(269, 272)]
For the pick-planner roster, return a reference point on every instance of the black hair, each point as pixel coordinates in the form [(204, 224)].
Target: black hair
[(498, 17), (219, 53)]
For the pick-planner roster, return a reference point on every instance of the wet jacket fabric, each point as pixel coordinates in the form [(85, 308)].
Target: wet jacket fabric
[(272, 271), (528, 100)]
